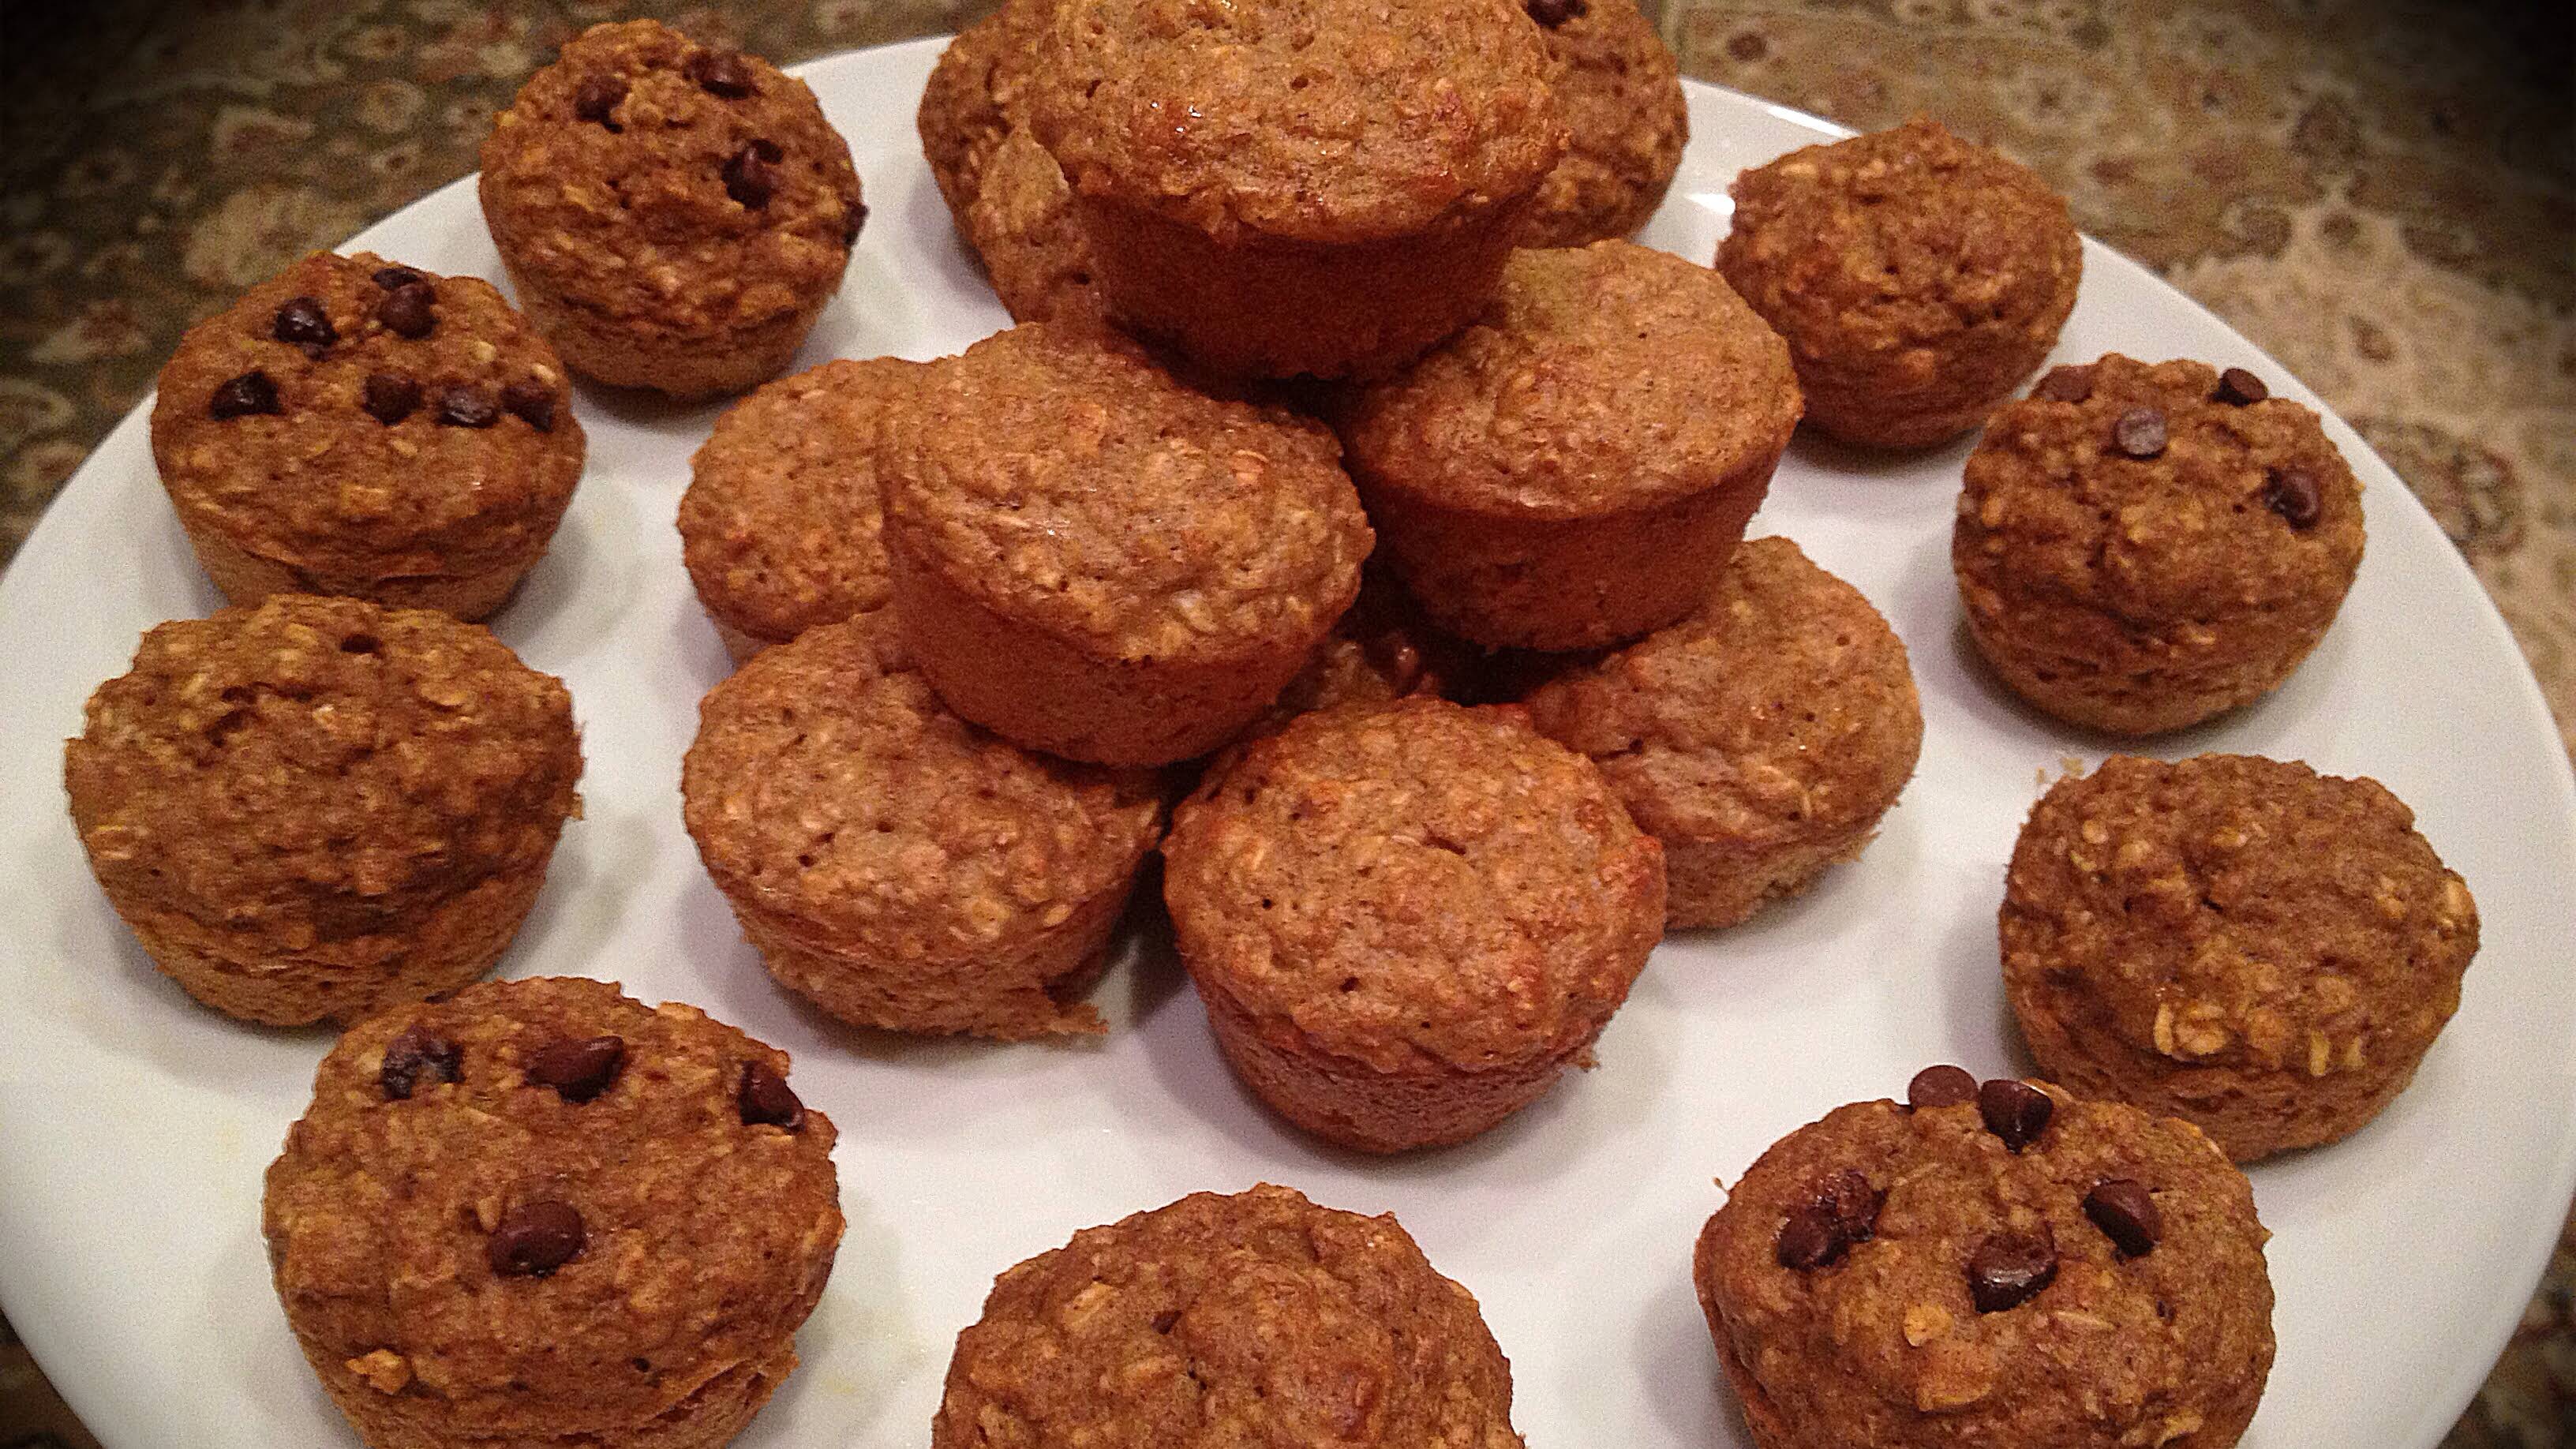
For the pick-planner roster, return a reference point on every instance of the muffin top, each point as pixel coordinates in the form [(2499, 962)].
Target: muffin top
[(540, 1208), (359, 421), (1898, 239), (665, 183), (1310, 120), (830, 784), (1598, 379), (1624, 115), (1033, 248), (977, 97), (1066, 481), (2079, 1275), (317, 769), (1782, 708), (1255, 1321), (780, 526), (1416, 886)]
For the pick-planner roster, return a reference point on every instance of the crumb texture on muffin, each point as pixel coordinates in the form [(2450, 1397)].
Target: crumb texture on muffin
[(1625, 119)]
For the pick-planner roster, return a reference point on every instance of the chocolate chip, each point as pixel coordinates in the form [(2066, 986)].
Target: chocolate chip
[(2070, 384), (535, 1238), (409, 310), (579, 1070), (2294, 494), (467, 407), (2140, 432), (2126, 1213), (1853, 1204), (392, 277), (1553, 13), (390, 397), (850, 224), (2239, 388), (751, 177), (532, 402), (765, 1099), (302, 320), (598, 97), (1941, 1086), (416, 1052), (2009, 1269), (242, 396), (2017, 1112), (1811, 1239), (722, 73)]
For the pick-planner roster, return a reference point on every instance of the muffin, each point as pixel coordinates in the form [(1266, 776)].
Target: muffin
[(354, 427), (1092, 560), (2240, 942), (318, 808), (896, 865), (1625, 120), (1760, 739), (1341, 195), (1381, 651), (1406, 920), (1255, 1321), (673, 216), (2001, 1265), (780, 525), (1571, 470), (2140, 548), (542, 1213), (1918, 278)]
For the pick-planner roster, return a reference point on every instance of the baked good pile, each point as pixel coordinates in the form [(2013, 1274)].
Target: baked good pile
[(1356, 518)]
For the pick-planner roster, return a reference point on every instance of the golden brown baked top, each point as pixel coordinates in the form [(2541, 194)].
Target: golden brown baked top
[(663, 183), (1065, 480), (1255, 1321), (831, 785), (1898, 239), (1782, 708), (1887, 1342), (1625, 119), (363, 421), (977, 96), (417, 1218), (316, 769), (1415, 886), (1023, 227), (1598, 379), (2234, 911), (1312, 120), (780, 525)]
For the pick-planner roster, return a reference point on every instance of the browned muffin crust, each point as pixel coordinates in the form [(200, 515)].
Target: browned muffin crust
[(2242, 942), (1918, 278), (897, 865), (1255, 1321), (2139, 550), (353, 427), (318, 807), (977, 95), (1621, 92), (416, 1222), (1916, 1332)]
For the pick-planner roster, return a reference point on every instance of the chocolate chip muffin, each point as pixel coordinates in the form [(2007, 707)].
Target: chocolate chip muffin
[(1093, 560), (1257, 1319), (1342, 193), (318, 808), (673, 216), (780, 525), (1997, 1265), (1625, 120), (1572, 470), (355, 427), (1760, 739), (2242, 942), (1919, 278), (2143, 547), (896, 865), (542, 1213), (1407, 920)]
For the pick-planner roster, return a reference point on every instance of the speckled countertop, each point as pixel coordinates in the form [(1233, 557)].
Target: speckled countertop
[(2383, 196)]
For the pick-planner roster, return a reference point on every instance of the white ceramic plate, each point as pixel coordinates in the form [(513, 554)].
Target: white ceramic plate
[(134, 1126)]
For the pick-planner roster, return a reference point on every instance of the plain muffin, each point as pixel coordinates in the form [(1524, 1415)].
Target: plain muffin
[(1625, 120), (673, 216), (1251, 1321), (355, 427), (1760, 739), (2142, 547), (317, 808), (1919, 278), (1342, 192), (1572, 469), (896, 865), (1093, 560), (1406, 920)]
